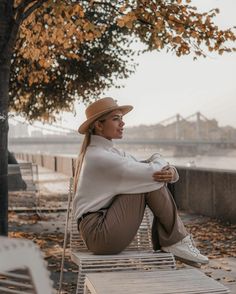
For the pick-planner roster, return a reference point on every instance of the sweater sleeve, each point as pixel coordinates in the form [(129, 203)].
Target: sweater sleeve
[(157, 158), (127, 174)]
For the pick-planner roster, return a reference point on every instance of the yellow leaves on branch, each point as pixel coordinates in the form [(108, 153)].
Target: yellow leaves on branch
[(61, 29), (127, 20), (177, 40), (194, 34), (77, 10), (157, 42), (47, 18), (35, 54), (180, 1), (38, 76), (45, 63), (159, 25)]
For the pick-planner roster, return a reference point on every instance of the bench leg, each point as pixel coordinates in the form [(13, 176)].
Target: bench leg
[(80, 282)]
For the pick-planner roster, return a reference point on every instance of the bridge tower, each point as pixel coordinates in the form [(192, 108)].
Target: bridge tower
[(177, 126), (200, 124)]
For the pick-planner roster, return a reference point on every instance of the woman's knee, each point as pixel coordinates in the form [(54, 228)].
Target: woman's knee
[(161, 202)]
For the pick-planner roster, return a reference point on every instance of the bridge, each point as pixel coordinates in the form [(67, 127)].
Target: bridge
[(71, 144), (199, 124), (194, 134), (77, 140)]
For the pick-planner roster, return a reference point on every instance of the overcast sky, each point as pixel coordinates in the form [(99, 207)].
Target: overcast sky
[(164, 85)]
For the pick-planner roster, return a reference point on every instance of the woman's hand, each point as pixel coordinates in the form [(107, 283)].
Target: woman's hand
[(166, 175)]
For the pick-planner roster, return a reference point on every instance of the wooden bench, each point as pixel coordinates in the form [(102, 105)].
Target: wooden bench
[(181, 281)]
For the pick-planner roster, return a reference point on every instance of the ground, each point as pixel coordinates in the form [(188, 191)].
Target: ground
[(46, 228)]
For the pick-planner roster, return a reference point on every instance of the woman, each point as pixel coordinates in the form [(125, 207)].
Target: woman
[(112, 189)]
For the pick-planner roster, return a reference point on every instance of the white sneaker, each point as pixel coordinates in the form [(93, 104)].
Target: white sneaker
[(186, 250)]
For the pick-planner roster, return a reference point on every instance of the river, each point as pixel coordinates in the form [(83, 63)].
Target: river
[(221, 159)]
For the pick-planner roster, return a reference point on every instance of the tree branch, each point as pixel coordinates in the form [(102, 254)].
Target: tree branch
[(21, 7), (20, 10), (33, 8), (121, 13), (21, 13), (108, 4), (19, 17)]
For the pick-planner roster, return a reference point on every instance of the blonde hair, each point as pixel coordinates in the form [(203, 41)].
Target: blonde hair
[(80, 158)]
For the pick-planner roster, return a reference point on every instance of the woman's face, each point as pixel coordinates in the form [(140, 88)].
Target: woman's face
[(111, 126)]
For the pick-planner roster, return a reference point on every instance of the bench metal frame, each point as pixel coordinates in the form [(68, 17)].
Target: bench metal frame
[(22, 268)]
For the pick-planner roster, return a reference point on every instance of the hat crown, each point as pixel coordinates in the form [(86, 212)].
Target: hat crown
[(99, 106)]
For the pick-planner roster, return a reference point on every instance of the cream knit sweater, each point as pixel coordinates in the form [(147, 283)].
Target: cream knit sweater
[(108, 171)]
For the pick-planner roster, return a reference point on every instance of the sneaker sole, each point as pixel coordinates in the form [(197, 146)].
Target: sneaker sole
[(190, 262)]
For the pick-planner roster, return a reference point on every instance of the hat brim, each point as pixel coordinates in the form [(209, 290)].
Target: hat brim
[(84, 127)]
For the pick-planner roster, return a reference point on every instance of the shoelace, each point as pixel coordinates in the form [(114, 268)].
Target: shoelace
[(192, 246)]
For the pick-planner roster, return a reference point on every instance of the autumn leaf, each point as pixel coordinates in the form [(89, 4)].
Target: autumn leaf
[(177, 40)]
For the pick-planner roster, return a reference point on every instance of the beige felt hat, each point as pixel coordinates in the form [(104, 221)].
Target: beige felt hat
[(100, 107)]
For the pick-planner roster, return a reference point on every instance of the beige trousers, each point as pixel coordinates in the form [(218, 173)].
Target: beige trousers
[(111, 230)]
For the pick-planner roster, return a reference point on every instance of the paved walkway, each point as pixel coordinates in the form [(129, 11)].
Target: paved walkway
[(53, 195)]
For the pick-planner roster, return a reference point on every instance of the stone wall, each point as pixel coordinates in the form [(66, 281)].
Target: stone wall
[(209, 192)]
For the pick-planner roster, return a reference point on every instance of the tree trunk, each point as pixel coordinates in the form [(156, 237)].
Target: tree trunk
[(4, 86), (6, 21)]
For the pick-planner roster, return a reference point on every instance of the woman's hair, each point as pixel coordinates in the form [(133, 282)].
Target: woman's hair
[(80, 158), (83, 149)]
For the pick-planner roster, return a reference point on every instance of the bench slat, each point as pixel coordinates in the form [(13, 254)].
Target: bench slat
[(183, 281)]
